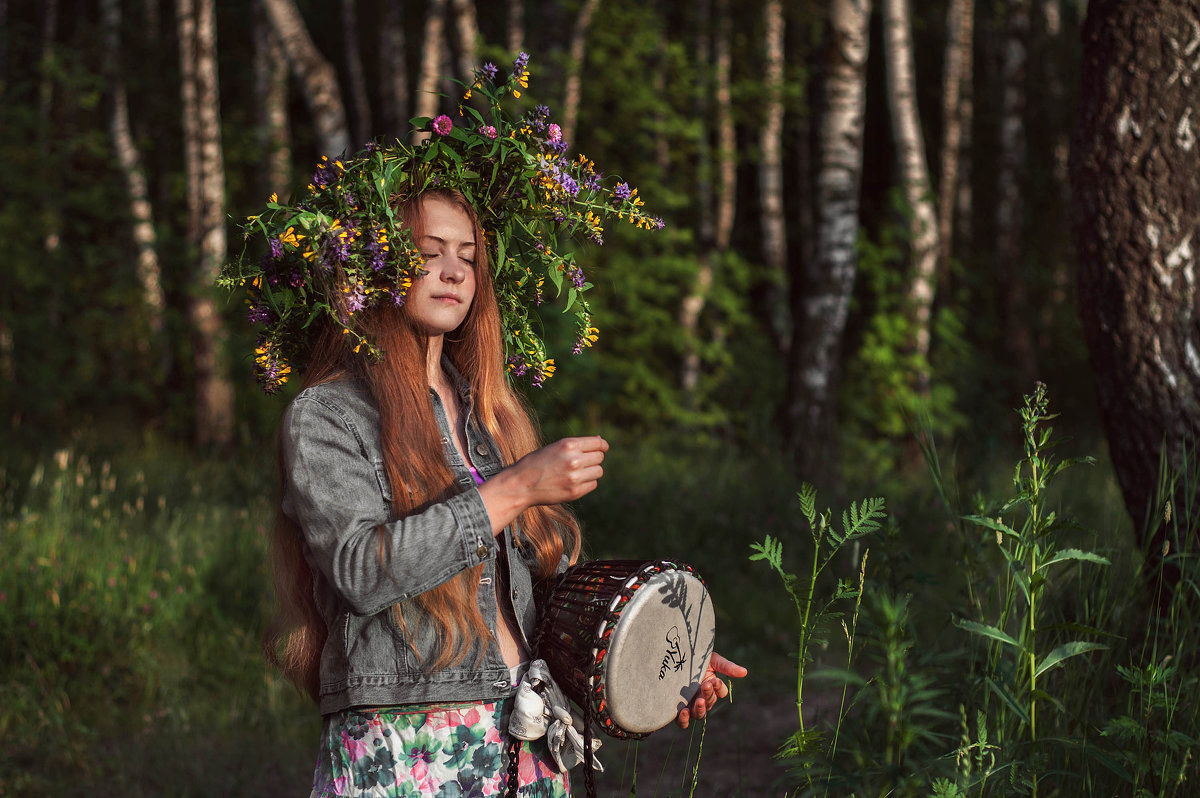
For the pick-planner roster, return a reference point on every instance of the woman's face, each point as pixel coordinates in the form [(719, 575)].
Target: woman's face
[(438, 302)]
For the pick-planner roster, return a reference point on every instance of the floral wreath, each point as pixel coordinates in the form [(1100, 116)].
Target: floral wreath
[(340, 249)]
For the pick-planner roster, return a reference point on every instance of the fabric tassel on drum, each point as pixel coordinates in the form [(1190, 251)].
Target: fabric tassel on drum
[(541, 709)]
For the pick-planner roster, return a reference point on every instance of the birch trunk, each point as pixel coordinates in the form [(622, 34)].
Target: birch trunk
[(316, 76), (360, 106), (393, 71), (693, 304), (53, 223), (914, 176), (427, 81), (960, 32), (214, 393), (575, 68), (467, 29), (770, 173), (810, 411), (149, 272), (1136, 223), (1009, 205), (271, 94), (516, 26)]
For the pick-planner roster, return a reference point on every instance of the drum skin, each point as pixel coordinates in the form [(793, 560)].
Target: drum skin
[(630, 639)]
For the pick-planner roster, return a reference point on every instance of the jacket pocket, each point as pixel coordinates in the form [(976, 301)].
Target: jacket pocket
[(385, 486)]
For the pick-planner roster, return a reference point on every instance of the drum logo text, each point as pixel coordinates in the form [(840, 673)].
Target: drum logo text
[(673, 659)]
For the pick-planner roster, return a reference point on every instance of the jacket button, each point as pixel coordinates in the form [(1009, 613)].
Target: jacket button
[(481, 450), (482, 552)]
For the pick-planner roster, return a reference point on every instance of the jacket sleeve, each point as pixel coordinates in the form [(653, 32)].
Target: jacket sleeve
[(333, 491)]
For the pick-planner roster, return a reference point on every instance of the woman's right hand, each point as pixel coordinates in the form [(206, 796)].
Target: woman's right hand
[(560, 472)]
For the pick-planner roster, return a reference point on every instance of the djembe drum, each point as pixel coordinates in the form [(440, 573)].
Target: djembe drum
[(628, 641)]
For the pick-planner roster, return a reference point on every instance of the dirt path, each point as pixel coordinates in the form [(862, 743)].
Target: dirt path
[(736, 759)]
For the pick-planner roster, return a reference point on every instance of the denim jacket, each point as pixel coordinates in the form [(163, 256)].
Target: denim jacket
[(337, 491)]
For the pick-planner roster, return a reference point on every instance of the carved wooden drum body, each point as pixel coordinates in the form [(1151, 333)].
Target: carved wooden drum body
[(628, 640)]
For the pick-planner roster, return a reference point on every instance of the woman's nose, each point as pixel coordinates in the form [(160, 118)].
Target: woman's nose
[(453, 271)]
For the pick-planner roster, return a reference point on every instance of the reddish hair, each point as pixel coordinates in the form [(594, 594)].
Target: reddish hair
[(416, 466)]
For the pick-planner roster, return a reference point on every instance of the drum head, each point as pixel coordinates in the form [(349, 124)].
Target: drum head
[(658, 651)]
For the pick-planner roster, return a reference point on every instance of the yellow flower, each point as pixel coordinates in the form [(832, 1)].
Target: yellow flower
[(290, 237), (274, 197)]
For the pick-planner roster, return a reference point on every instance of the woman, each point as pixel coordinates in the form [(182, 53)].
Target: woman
[(417, 510)]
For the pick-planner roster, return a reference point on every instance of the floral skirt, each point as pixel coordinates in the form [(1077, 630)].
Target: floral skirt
[(450, 750)]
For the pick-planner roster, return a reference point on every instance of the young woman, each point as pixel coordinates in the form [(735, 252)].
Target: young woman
[(418, 513)]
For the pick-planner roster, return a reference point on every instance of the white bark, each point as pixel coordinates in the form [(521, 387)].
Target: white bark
[(467, 29), (315, 75), (770, 170), (914, 172), (129, 158), (830, 273), (575, 68), (960, 28), (431, 61)]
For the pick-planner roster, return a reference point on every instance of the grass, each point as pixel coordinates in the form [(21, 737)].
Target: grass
[(133, 591)]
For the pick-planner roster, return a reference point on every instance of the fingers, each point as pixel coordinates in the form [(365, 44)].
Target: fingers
[(725, 667), (681, 720)]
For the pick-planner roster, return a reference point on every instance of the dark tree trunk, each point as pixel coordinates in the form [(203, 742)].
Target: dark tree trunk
[(1136, 207)]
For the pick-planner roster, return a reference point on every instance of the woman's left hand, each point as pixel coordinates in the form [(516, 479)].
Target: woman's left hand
[(712, 688)]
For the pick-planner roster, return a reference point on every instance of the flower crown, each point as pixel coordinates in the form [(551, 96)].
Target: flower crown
[(339, 249)]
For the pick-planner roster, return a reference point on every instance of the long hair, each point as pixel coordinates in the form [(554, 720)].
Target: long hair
[(416, 468)]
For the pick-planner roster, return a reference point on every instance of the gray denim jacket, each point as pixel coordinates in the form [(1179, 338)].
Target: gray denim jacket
[(337, 491)]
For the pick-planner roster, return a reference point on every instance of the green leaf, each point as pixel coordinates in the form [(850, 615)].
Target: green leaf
[(992, 523), (1007, 697), (983, 630), (1075, 554), (1063, 652)]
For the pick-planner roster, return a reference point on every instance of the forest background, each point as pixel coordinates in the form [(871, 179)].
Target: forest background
[(868, 263)]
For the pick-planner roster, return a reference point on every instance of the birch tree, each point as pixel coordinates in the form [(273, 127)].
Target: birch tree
[(515, 26), (149, 273), (393, 70), (770, 169), (206, 213), (467, 32), (1009, 183), (960, 30), (1136, 207), (427, 80), (914, 177), (316, 76), (810, 407), (352, 53), (574, 83), (270, 95)]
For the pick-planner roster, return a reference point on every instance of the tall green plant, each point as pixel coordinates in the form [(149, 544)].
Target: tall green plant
[(1018, 661), (815, 612)]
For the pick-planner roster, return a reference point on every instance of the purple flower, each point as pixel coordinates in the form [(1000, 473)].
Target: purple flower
[(592, 181), (488, 131), (276, 248), (557, 147), (489, 70), (568, 183), (578, 347), (356, 299), (322, 177), (371, 147), (576, 275), (518, 365), (622, 191), (350, 200), (260, 314), (554, 133), (442, 125), (520, 64), (658, 222)]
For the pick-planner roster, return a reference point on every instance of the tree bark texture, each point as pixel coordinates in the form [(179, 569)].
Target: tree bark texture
[(516, 26), (431, 63), (770, 173), (574, 88), (214, 393), (810, 409), (393, 71), (360, 106), (149, 273), (1017, 331), (271, 95), (467, 31), (1136, 209), (960, 29), (914, 176), (316, 76)]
